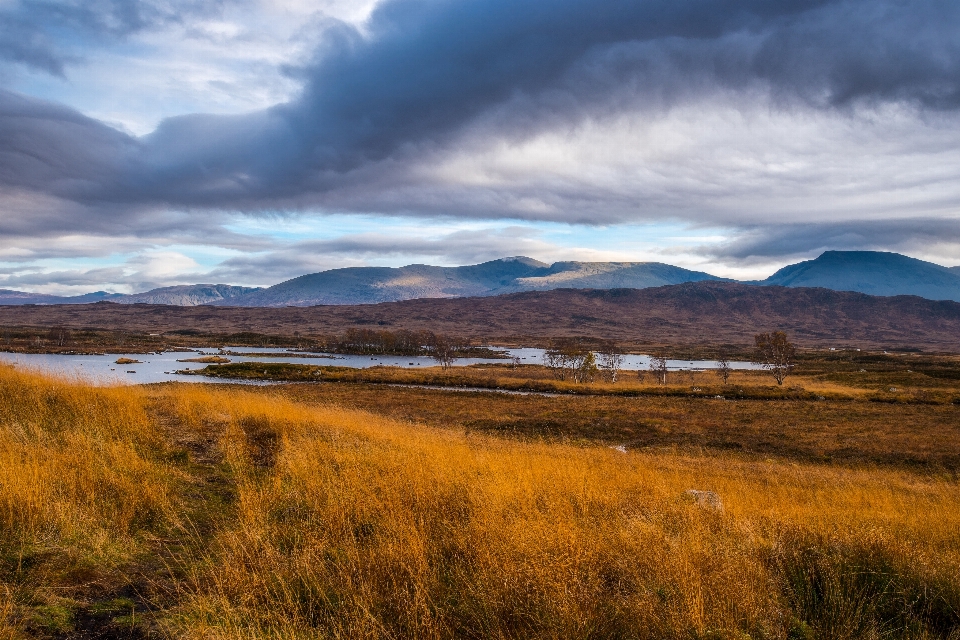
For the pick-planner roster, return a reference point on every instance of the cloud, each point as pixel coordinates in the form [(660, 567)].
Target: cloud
[(140, 272), (50, 34), (379, 102), (796, 125), (933, 239)]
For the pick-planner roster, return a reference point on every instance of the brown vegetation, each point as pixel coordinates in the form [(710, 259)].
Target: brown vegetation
[(702, 313), (916, 436), (206, 359)]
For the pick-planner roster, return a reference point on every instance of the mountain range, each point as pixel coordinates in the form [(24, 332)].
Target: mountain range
[(871, 272), (692, 313), (187, 295)]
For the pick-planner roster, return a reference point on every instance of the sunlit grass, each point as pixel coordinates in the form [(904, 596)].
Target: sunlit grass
[(367, 527), (257, 516)]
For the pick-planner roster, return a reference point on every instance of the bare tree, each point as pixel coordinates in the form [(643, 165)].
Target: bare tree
[(723, 367), (775, 353), (555, 361), (59, 336), (611, 360), (444, 350), (658, 366), (584, 367), (568, 357)]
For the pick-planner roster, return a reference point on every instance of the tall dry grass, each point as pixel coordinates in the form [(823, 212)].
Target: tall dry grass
[(83, 485), (320, 522), (349, 525)]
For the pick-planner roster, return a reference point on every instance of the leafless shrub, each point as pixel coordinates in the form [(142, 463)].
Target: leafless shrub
[(658, 366), (723, 367), (610, 360), (775, 353)]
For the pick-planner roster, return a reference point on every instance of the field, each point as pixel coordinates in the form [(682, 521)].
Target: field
[(357, 510)]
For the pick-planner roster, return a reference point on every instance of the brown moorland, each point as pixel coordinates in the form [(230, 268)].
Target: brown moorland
[(701, 313), (192, 511), (837, 407), (920, 436)]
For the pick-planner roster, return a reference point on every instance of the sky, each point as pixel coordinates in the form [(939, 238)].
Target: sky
[(159, 142)]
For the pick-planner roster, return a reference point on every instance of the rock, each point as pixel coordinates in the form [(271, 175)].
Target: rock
[(621, 448), (706, 499)]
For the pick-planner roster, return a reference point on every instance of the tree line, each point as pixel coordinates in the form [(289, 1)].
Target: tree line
[(577, 360), (444, 349)]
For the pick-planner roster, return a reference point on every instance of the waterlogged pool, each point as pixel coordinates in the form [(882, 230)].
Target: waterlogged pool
[(162, 367)]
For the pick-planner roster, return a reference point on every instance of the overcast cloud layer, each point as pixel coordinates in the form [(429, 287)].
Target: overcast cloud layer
[(794, 126)]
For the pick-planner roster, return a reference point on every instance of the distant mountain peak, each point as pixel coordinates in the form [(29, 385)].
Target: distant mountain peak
[(880, 273), (530, 262)]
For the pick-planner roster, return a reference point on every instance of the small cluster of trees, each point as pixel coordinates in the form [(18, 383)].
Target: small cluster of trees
[(574, 359), (59, 336), (376, 342), (570, 359), (658, 367), (772, 351), (610, 360), (444, 349)]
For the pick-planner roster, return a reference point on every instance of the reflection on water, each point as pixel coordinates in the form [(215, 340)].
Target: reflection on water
[(160, 367)]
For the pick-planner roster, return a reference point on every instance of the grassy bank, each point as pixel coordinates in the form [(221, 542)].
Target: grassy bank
[(183, 511), (834, 385)]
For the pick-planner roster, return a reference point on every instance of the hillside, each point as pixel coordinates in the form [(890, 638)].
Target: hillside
[(875, 272), (181, 295), (8, 296), (685, 314), (369, 285), (187, 295)]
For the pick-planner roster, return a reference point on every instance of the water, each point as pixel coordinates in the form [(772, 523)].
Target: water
[(634, 362), (161, 367)]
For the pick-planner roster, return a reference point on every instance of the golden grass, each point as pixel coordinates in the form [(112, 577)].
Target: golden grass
[(80, 483), (896, 387), (919, 436), (365, 527), (341, 523)]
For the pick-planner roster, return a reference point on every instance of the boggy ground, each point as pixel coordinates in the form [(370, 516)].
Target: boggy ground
[(911, 435), (891, 410), (216, 512)]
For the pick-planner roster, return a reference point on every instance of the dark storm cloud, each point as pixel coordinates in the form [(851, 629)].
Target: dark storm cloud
[(771, 241), (48, 35), (376, 103), (52, 149)]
